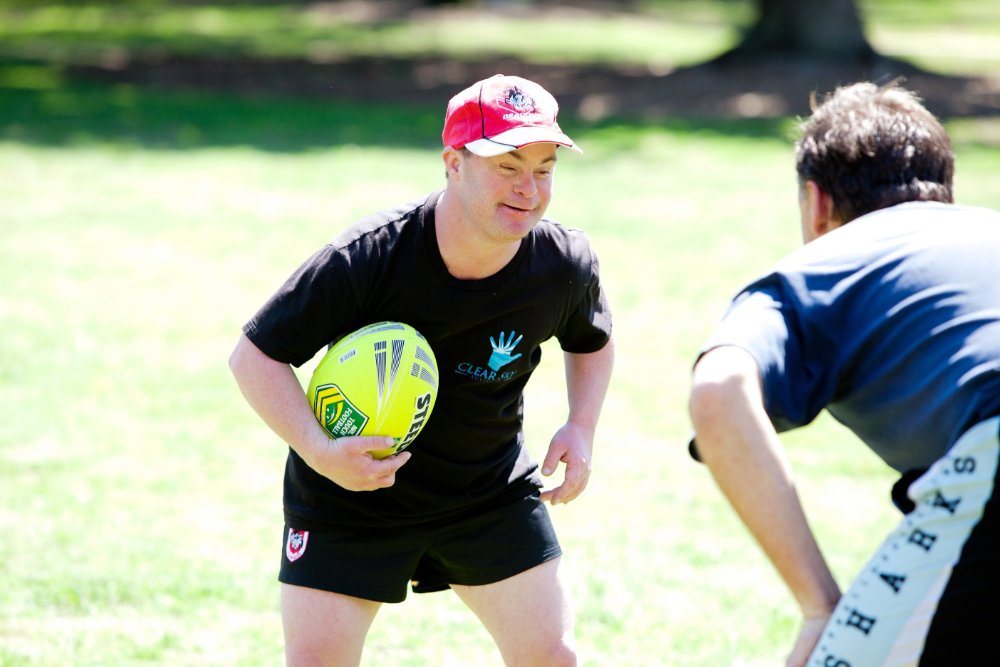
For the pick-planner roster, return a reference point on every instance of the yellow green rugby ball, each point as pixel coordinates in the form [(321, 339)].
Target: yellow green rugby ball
[(379, 380)]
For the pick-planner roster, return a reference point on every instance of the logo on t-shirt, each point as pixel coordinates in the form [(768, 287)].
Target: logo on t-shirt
[(502, 354)]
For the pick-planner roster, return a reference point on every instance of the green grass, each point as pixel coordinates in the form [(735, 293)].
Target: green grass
[(954, 36), (92, 32), (957, 36), (140, 497)]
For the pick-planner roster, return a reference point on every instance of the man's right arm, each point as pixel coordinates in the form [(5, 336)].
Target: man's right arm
[(273, 391), (736, 440)]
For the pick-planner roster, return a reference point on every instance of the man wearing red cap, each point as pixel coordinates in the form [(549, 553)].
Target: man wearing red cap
[(486, 279)]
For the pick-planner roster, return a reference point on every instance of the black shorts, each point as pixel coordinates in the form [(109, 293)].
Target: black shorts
[(378, 563)]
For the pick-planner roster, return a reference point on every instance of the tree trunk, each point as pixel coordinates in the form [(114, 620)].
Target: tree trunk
[(825, 29)]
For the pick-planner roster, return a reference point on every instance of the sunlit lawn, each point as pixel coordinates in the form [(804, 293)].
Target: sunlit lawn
[(953, 36), (140, 497)]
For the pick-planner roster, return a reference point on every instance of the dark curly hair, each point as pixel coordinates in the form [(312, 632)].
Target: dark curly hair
[(870, 147)]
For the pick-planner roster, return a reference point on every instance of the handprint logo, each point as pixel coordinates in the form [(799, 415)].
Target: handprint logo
[(502, 349)]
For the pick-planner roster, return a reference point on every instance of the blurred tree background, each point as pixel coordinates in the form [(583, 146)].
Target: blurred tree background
[(816, 28), (638, 58)]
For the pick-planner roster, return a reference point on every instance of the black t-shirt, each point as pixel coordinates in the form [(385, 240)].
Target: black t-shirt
[(486, 335)]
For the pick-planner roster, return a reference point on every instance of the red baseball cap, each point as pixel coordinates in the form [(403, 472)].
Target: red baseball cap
[(501, 114)]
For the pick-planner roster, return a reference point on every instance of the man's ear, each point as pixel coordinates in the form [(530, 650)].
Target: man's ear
[(818, 214), (452, 160)]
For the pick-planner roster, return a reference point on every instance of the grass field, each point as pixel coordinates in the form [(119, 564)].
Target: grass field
[(140, 497), (951, 36)]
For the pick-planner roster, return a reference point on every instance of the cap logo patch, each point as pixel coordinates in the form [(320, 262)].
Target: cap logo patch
[(517, 101)]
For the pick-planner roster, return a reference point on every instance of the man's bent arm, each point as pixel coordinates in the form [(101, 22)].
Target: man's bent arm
[(736, 440), (273, 391)]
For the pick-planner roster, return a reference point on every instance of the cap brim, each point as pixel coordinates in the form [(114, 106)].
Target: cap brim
[(519, 137)]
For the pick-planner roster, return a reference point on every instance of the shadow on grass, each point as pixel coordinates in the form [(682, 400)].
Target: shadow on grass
[(291, 105), (126, 114), (42, 105)]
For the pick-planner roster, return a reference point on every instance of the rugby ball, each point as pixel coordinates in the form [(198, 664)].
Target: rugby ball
[(379, 380)]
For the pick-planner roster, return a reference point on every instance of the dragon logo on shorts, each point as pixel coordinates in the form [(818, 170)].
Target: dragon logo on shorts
[(295, 545)]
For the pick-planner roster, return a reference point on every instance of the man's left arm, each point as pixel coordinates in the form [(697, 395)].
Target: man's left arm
[(587, 379), (741, 448)]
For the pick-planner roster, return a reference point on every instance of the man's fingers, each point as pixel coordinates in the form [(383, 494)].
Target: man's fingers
[(391, 464), (575, 481), (358, 470), (551, 461), (366, 443)]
